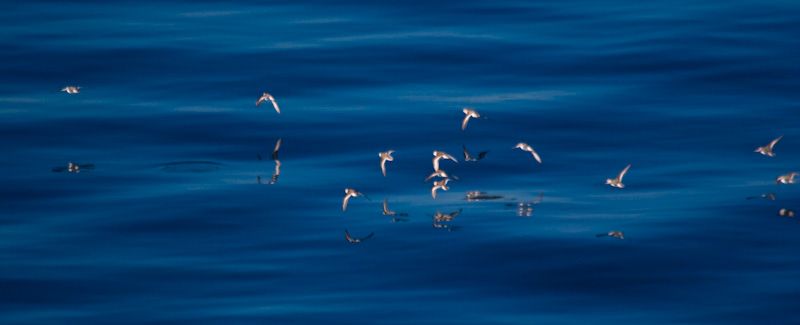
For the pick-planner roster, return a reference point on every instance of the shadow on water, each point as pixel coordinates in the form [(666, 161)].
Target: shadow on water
[(190, 167)]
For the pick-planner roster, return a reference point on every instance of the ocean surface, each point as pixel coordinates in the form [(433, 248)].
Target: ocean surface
[(175, 215)]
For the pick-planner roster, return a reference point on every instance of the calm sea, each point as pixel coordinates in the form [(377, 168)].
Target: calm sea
[(176, 217)]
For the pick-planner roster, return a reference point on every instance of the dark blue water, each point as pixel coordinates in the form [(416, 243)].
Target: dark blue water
[(178, 222)]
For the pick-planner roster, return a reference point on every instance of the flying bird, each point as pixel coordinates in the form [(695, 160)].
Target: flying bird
[(468, 158), (438, 173), (617, 182), (385, 156), (439, 155), (767, 150), (786, 179), (439, 185), (525, 147), (356, 240), (469, 113), (786, 213), (267, 97), (71, 89), (349, 192)]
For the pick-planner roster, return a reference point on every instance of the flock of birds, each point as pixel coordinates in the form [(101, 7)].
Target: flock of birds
[(440, 218)]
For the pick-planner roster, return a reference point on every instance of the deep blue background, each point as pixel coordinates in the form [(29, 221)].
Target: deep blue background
[(684, 91)]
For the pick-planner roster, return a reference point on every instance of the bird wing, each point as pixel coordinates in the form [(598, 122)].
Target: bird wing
[(464, 122), (430, 176), (344, 203), (535, 155), (258, 102), (773, 142), (275, 104), (448, 156), (436, 162), (619, 177), (383, 166), (433, 190)]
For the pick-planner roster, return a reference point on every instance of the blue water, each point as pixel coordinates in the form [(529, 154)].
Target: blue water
[(178, 222)]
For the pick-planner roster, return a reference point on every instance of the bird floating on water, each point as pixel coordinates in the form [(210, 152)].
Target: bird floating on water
[(617, 182), (439, 185), (786, 179), (439, 155), (349, 192), (73, 168), (525, 147), (617, 234), (267, 97), (469, 113), (71, 89), (356, 240), (770, 196), (767, 150), (385, 156)]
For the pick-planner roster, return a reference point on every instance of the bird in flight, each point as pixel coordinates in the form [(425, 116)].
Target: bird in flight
[(349, 192), (385, 156), (525, 147), (617, 182), (439, 155), (267, 97), (71, 89), (767, 150), (356, 240), (469, 113), (468, 158)]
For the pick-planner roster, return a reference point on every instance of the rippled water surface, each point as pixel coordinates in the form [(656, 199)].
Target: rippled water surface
[(181, 217)]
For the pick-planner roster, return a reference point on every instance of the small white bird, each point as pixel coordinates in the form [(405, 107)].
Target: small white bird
[(71, 90), (767, 150), (786, 179), (267, 97), (439, 155), (356, 240), (438, 173), (439, 185), (349, 192), (469, 113), (617, 234), (385, 156), (786, 213), (617, 182), (525, 147)]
